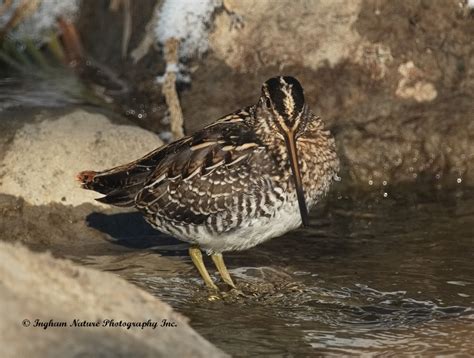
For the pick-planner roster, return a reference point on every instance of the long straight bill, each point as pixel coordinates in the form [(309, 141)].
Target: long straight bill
[(293, 155)]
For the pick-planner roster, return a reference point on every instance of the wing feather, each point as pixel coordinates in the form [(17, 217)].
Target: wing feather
[(202, 177)]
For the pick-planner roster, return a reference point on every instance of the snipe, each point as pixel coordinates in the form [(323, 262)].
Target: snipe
[(246, 178)]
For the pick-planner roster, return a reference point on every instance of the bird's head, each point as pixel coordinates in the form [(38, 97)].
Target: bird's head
[(283, 98), (284, 114)]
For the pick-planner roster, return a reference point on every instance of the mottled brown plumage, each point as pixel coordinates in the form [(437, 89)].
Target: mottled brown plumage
[(244, 179)]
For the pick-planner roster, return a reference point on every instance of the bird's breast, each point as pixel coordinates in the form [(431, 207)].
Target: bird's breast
[(318, 164)]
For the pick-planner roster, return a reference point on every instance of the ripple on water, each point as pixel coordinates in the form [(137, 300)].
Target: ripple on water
[(392, 276)]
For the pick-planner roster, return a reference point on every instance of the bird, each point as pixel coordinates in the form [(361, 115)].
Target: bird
[(249, 176)]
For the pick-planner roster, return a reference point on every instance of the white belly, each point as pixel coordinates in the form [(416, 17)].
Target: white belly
[(253, 232)]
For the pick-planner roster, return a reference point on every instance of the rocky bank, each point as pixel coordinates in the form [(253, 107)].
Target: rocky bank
[(57, 292)]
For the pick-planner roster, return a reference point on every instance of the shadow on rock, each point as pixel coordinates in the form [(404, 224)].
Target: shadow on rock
[(132, 231)]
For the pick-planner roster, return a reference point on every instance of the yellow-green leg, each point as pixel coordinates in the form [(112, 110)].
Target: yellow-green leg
[(219, 262), (196, 257)]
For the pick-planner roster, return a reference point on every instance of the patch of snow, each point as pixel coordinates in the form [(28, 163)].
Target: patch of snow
[(187, 21), (37, 24), (180, 70), (166, 136)]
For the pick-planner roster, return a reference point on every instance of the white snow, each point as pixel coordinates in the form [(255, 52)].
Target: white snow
[(187, 21), (180, 70), (37, 24)]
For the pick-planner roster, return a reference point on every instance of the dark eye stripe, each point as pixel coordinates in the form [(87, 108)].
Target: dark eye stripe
[(278, 88), (268, 102)]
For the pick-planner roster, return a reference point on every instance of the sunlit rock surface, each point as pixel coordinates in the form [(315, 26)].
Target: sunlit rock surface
[(42, 157), (38, 286), (392, 80), (269, 33)]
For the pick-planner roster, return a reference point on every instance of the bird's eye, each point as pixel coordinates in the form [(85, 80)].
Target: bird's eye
[(268, 102)]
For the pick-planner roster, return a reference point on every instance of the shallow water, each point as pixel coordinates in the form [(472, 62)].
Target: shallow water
[(373, 274)]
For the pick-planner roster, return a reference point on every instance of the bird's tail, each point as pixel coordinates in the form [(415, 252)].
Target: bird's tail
[(119, 187)]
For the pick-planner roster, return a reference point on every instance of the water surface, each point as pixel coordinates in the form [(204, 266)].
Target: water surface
[(373, 274)]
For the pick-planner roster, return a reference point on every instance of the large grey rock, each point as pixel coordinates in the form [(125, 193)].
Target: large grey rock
[(43, 156), (38, 286), (393, 80), (309, 34)]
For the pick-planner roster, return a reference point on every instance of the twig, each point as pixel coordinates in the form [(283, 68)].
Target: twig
[(5, 6), (24, 9), (169, 88), (127, 21), (127, 27), (72, 43), (148, 38)]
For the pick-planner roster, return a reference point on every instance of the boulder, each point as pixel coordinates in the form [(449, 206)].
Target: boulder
[(54, 308), (392, 80), (42, 156)]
